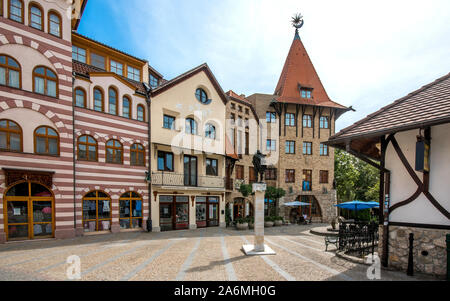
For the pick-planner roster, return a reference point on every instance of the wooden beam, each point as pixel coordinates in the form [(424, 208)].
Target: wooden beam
[(332, 112), (303, 114), (314, 120)]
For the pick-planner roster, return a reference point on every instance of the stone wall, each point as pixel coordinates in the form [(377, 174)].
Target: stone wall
[(326, 203), (425, 240)]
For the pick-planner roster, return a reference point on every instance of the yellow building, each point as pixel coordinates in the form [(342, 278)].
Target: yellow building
[(188, 152)]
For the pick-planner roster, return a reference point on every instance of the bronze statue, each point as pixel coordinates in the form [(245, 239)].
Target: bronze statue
[(259, 165)]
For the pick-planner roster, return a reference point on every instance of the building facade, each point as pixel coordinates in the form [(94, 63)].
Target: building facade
[(243, 134), (36, 121), (111, 137), (299, 117), (188, 154), (408, 141)]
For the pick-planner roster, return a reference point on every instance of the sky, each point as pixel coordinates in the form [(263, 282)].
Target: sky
[(367, 53)]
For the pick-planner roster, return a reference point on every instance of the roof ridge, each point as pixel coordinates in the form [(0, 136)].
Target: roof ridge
[(180, 76), (394, 103)]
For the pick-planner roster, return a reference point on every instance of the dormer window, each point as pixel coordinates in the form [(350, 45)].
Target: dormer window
[(306, 93)]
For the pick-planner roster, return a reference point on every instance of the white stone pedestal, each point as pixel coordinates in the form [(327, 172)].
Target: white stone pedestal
[(259, 248)]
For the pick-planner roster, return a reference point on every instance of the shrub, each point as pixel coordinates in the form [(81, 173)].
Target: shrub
[(245, 190)]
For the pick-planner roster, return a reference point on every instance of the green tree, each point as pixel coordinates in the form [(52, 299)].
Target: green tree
[(355, 179), (273, 193)]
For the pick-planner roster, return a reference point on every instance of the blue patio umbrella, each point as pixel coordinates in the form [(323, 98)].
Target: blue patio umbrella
[(357, 205)]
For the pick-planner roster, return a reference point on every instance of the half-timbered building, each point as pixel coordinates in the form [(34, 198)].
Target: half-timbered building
[(409, 142)]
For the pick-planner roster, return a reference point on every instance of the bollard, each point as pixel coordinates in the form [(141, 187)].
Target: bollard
[(448, 257), (410, 271)]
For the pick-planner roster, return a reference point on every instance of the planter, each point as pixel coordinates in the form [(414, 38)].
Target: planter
[(251, 226), (278, 223), (268, 224), (243, 226)]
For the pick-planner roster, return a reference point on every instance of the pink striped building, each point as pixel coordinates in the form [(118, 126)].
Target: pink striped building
[(74, 127), (36, 120)]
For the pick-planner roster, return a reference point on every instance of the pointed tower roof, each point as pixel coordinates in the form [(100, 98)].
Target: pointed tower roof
[(299, 72)]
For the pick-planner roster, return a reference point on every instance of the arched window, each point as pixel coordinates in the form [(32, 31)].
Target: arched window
[(113, 104), (191, 126), (98, 100), (126, 107), (46, 141), (87, 149), (130, 208), (29, 208), (80, 98), (210, 131), (9, 72), (201, 95), (45, 81), (137, 155), (16, 10), (54, 24), (10, 136), (35, 16), (97, 212), (140, 113), (114, 152)]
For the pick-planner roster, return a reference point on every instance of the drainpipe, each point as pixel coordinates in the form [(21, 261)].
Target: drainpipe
[(149, 224), (74, 163)]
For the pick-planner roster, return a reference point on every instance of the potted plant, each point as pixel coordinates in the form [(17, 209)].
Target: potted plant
[(278, 221), (268, 221), (241, 223)]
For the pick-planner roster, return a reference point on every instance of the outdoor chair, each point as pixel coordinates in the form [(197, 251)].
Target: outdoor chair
[(331, 240)]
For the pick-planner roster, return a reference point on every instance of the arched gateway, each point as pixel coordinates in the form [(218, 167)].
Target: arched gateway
[(29, 211)]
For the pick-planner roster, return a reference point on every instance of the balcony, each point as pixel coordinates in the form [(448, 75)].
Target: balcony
[(178, 180)]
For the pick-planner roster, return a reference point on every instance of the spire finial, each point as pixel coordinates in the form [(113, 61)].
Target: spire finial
[(297, 23)]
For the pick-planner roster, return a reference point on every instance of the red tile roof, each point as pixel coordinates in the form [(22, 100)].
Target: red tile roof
[(298, 71), (231, 93), (242, 100), (430, 105), (85, 70)]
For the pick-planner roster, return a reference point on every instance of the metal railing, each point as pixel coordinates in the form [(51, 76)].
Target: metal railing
[(175, 179), (358, 237)]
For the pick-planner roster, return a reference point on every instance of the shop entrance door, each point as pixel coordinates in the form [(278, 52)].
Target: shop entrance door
[(166, 216), (173, 212), (213, 211), (29, 212)]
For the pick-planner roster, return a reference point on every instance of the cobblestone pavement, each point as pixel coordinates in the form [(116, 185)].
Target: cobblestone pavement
[(203, 254)]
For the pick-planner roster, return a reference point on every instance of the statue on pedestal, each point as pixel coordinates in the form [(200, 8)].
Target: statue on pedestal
[(259, 165)]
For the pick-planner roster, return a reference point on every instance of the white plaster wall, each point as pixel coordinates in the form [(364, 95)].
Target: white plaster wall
[(28, 120), (181, 103), (28, 58), (104, 82), (402, 185)]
